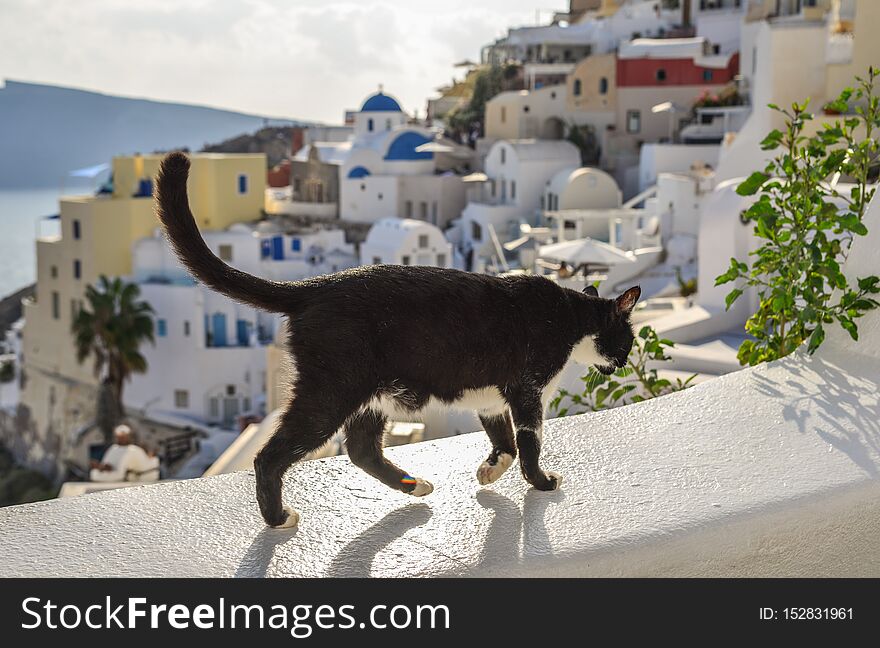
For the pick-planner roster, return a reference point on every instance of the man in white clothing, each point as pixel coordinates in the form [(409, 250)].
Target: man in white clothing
[(125, 461)]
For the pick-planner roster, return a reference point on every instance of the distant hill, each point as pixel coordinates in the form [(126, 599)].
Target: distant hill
[(47, 131), (274, 141)]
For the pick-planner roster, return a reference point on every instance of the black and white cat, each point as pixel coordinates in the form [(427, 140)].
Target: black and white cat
[(383, 340)]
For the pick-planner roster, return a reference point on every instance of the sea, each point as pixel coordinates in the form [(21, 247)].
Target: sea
[(23, 214)]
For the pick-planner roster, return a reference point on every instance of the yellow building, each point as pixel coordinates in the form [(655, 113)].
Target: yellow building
[(96, 238)]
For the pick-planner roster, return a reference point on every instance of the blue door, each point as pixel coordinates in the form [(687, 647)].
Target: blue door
[(243, 332), (218, 324), (278, 248)]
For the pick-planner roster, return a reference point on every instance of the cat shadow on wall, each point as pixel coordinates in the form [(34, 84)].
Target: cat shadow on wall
[(501, 547), (260, 553), (356, 558)]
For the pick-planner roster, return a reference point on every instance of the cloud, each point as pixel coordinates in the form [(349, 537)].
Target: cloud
[(290, 58)]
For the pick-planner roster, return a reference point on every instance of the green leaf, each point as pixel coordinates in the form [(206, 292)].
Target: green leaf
[(732, 297), (773, 139), (851, 328), (816, 338), (869, 284), (750, 185)]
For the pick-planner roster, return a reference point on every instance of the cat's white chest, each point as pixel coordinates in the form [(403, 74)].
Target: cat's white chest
[(586, 353)]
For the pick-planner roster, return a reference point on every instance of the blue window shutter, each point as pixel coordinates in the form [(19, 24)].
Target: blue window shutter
[(278, 248), (161, 328), (242, 330), (218, 325), (242, 184), (265, 248), (295, 244)]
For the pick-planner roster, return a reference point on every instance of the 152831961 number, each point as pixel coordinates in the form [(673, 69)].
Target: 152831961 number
[(817, 613)]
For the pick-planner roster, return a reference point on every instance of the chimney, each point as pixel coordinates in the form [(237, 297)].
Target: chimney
[(297, 139)]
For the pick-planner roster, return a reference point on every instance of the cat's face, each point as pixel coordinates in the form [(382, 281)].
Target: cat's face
[(614, 341)]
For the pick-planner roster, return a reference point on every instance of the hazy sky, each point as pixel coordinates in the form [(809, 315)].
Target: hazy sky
[(286, 58)]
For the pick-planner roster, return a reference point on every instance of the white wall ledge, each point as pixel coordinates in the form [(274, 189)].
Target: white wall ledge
[(770, 471)]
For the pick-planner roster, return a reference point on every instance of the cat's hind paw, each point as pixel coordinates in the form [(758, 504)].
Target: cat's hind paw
[(549, 481), (290, 521), (487, 472), (555, 478)]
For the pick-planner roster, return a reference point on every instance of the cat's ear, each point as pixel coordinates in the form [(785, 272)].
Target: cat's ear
[(627, 301), (592, 291)]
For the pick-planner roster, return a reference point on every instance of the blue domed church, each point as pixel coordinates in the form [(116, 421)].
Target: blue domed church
[(391, 170)]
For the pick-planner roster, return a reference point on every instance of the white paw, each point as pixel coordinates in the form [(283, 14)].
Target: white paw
[(422, 488), (291, 521), (556, 476), (487, 473)]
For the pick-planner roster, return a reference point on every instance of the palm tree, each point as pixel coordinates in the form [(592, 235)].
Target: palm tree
[(111, 329)]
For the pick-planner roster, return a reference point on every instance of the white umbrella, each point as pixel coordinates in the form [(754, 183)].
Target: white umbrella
[(434, 147), (585, 250)]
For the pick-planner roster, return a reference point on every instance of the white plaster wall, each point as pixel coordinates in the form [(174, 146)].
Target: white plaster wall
[(152, 257), (499, 216), (364, 205), (392, 250), (444, 194), (658, 158), (196, 368), (679, 205), (525, 112), (720, 27), (789, 64), (587, 189), (380, 120)]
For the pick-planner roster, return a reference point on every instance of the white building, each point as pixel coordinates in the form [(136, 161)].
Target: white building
[(582, 188), (391, 171), (216, 346), (517, 172), (406, 242), (549, 52), (789, 57), (719, 22)]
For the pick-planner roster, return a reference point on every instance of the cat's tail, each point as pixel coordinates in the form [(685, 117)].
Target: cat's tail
[(186, 240)]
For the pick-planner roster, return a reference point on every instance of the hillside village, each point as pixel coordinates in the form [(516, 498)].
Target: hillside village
[(608, 153)]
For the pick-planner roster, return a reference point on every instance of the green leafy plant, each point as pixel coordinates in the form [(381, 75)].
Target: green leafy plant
[(489, 82), (806, 227), (630, 384), (686, 288), (584, 138), (111, 329), (7, 371)]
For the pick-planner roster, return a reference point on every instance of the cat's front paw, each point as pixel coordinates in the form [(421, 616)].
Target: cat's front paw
[(487, 472), (422, 488), (550, 481), (290, 521)]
